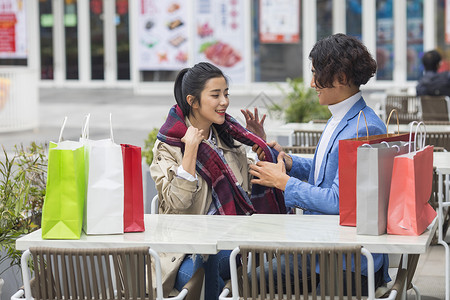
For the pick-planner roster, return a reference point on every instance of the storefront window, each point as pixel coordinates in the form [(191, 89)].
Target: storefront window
[(324, 18), (414, 39), (353, 17), (275, 61), (71, 34), (442, 39), (123, 40), (97, 49), (46, 40), (385, 40)]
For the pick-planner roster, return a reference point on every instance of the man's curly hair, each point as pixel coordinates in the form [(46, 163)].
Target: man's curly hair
[(341, 57)]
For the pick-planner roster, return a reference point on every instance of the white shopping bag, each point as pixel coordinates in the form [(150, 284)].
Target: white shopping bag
[(373, 183), (103, 212)]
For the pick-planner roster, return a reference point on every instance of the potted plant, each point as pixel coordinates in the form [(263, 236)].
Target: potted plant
[(300, 103), (22, 191), (147, 155)]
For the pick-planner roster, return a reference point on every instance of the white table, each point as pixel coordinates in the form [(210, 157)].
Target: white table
[(163, 233), (318, 231), (442, 164), (210, 234)]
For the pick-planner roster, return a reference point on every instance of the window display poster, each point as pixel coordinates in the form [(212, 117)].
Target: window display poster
[(279, 21), (162, 35), (220, 36), (13, 34)]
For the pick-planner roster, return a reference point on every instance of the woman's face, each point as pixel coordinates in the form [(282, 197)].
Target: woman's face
[(213, 103)]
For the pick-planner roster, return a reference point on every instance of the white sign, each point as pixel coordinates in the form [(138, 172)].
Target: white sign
[(162, 35), (279, 21), (220, 36), (13, 33)]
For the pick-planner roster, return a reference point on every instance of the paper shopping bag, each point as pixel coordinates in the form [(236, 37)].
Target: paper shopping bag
[(62, 211), (103, 213), (347, 171), (373, 184), (133, 216), (409, 212)]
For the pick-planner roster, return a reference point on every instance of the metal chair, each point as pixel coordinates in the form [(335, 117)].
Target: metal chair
[(154, 208), (330, 260), (306, 138), (408, 107), (110, 273), (435, 108)]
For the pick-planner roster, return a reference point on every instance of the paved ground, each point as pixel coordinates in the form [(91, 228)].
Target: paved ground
[(134, 117)]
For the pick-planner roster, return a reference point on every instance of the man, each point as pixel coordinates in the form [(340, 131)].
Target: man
[(433, 83), (340, 65)]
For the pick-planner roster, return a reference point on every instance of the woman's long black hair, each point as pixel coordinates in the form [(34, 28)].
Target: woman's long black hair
[(192, 81)]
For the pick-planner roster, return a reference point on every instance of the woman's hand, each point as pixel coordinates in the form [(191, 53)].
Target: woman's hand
[(192, 139), (193, 136), (270, 174), (253, 123), (261, 155)]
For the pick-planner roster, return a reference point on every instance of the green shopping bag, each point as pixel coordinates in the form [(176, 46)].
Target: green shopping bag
[(62, 212)]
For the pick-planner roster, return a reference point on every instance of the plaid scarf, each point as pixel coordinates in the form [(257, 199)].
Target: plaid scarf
[(227, 195)]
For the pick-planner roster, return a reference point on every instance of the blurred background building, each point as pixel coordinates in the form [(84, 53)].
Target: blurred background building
[(143, 44)]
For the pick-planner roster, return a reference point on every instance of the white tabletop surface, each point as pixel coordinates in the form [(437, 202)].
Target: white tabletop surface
[(441, 160), (164, 233), (208, 234), (290, 127), (315, 231)]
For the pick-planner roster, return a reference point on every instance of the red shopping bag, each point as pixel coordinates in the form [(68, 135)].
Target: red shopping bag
[(409, 212), (133, 213), (347, 170)]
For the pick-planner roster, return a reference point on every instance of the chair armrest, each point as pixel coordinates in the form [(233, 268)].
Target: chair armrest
[(195, 285)]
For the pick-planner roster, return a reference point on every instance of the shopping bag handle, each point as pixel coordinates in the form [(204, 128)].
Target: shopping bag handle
[(389, 119), (357, 125), (62, 129), (110, 128), (423, 133), (85, 129)]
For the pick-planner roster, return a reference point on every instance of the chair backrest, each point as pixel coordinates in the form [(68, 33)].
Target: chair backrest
[(330, 260), (113, 273), (154, 206), (435, 108), (306, 138), (300, 149), (408, 107)]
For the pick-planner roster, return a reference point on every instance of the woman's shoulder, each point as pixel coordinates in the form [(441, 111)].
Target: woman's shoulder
[(163, 149)]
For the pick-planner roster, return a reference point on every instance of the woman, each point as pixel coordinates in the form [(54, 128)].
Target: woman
[(200, 167)]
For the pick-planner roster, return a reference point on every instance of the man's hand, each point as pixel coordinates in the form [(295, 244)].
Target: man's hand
[(253, 123), (270, 174)]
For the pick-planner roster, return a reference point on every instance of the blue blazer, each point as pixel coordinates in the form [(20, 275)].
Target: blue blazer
[(322, 197)]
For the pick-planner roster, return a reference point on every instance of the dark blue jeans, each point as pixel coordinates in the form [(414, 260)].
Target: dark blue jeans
[(217, 272)]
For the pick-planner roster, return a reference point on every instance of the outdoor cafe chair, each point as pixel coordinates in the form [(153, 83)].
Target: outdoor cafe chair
[(154, 206), (97, 273), (435, 109), (331, 281)]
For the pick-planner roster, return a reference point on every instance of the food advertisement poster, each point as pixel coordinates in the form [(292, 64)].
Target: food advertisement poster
[(13, 34), (220, 36), (279, 21), (162, 35)]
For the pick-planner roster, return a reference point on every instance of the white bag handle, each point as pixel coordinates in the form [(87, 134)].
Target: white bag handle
[(421, 137), (85, 129), (110, 128), (62, 129)]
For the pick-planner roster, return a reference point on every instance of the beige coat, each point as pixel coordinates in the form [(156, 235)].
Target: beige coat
[(180, 196)]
